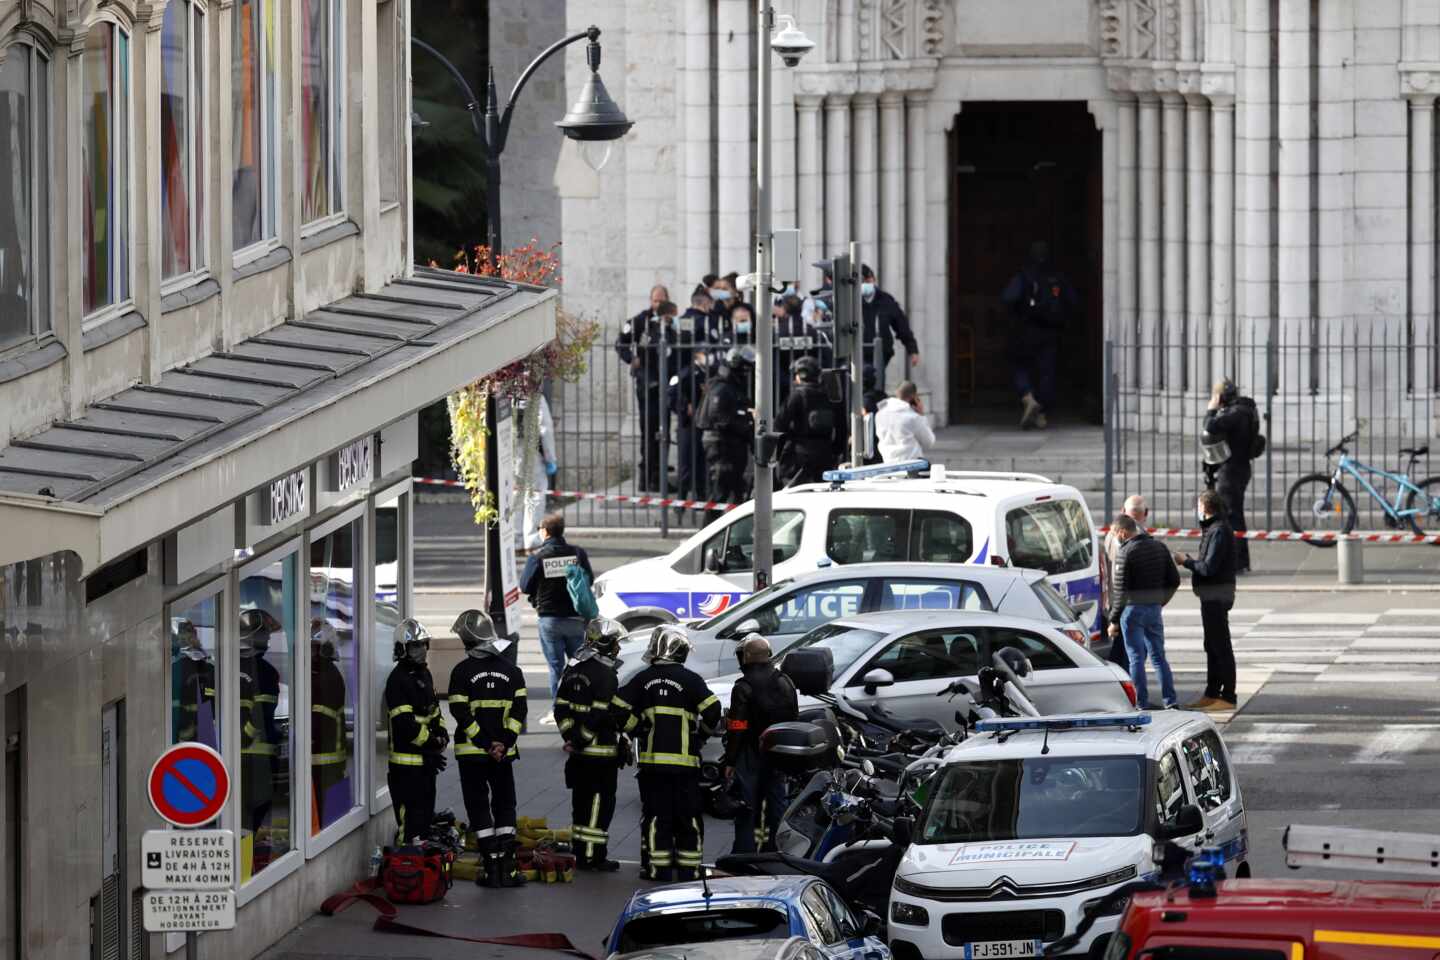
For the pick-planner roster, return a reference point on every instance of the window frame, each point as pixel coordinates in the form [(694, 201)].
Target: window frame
[(902, 529), (1185, 797), (40, 322), (918, 515), (198, 126), (359, 812), (389, 107), (1054, 646), (118, 305), (335, 129), (964, 587), (380, 799), (723, 537), (272, 214), (1209, 740), (857, 678), (218, 589), (291, 860)]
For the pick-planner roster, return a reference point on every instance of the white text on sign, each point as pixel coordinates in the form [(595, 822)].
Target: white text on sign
[(186, 911), (187, 860)]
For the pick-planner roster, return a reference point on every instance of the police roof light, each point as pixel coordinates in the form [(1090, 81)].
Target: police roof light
[(878, 470), (1012, 725)]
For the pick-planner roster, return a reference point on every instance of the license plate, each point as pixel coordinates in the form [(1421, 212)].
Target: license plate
[(1002, 948)]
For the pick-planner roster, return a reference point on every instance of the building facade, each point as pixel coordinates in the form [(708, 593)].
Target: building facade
[(212, 350), (1217, 178)]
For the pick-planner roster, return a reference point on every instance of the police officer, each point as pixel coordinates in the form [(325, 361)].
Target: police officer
[(259, 698), (683, 396), (487, 702), (1231, 426), (328, 753), (584, 711), (762, 696), (418, 738), (885, 321), (811, 427), (654, 348), (726, 430), (672, 711)]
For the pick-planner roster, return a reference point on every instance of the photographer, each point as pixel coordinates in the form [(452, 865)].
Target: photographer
[(1230, 441), (901, 430)]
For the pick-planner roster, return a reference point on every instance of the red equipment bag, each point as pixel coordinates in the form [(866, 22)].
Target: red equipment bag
[(416, 874)]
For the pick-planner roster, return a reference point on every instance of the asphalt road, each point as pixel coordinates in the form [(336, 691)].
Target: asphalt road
[(1339, 724)]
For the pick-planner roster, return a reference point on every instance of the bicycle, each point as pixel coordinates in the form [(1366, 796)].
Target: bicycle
[(1325, 506)]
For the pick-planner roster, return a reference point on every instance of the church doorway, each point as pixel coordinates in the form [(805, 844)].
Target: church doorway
[(1021, 172)]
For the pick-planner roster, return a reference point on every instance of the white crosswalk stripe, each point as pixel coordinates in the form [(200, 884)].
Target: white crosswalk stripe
[(1263, 742), (1392, 744)]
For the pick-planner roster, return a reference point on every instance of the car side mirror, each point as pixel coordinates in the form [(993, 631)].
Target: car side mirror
[(876, 679), (1187, 822), (739, 630), (904, 828), (714, 564), (870, 924)]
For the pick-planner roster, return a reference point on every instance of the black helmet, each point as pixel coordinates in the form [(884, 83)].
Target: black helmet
[(477, 632), (737, 357), (408, 633), (806, 368), (869, 377), (604, 636), (1018, 663)]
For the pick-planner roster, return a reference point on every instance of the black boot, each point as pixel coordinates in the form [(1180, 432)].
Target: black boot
[(490, 876), (600, 861), (510, 875)]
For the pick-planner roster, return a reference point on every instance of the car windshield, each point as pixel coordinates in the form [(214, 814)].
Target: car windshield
[(742, 609), (846, 644), (1037, 797), (705, 926)]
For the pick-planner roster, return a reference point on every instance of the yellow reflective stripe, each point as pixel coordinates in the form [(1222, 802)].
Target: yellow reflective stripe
[(490, 704), (1297, 951), (407, 759), (675, 759), (566, 724), (259, 750), (706, 703), (251, 730), (395, 711), (209, 692), (471, 730), (598, 751), (246, 703), (459, 698), (266, 698), (464, 749), (1367, 939), (421, 737), (330, 712), (586, 734), (520, 693), (326, 759), (616, 701), (578, 707), (668, 712), (513, 725)]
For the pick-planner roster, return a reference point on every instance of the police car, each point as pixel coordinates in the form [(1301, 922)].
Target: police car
[(1034, 818), (902, 512)]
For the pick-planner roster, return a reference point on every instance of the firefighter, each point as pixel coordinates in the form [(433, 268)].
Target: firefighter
[(259, 697), (194, 686), (762, 696), (810, 425), (418, 738), (328, 753), (672, 711), (584, 710), (487, 700)]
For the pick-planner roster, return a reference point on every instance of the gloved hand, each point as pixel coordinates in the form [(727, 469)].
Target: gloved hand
[(436, 762), (441, 738), (551, 468)]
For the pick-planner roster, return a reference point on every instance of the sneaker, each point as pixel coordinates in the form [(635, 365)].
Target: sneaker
[(548, 720), (1030, 410), (1040, 422), (1219, 706), (1200, 704)]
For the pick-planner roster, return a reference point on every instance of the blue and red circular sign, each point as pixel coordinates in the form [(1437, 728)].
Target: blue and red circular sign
[(189, 785)]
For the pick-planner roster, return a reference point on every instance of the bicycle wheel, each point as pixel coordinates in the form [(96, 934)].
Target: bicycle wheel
[(1315, 505), (1427, 501)]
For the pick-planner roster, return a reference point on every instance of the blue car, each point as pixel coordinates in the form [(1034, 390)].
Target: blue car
[(747, 908)]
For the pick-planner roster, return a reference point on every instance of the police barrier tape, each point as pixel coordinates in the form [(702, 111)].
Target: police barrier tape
[(632, 499), (1185, 533)]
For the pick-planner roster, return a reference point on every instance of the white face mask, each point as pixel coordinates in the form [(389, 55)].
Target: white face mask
[(742, 326), (718, 293), (867, 290)]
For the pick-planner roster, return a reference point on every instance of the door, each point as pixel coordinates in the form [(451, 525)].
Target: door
[(1210, 782), (1056, 536), (15, 820), (1172, 794), (922, 664)]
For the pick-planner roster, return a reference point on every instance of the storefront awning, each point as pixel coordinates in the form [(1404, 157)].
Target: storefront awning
[(144, 462)]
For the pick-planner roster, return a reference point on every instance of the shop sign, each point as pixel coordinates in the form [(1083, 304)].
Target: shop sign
[(284, 499), (353, 465), (505, 506), (187, 859), (189, 911)]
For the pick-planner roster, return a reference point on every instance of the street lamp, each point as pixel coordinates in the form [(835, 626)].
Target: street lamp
[(791, 44), (595, 121)]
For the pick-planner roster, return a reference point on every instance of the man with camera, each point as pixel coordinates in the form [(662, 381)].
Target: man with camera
[(1230, 441)]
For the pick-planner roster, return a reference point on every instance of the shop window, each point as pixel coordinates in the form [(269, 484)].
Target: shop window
[(254, 52), (322, 31), (334, 675), (390, 83), (105, 148), (194, 682), (182, 139), (389, 610), (24, 195), (265, 633)]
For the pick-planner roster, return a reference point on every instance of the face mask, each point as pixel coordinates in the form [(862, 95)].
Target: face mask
[(743, 326), (867, 290), (718, 293), (417, 652)]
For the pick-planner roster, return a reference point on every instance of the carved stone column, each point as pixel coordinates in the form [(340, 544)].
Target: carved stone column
[(1125, 216), (1172, 286), (866, 175), (917, 106), (1197, 240), (1422, 237), (810, 188), (891, 258), (735, 145), (1150, 250), (837, 172)]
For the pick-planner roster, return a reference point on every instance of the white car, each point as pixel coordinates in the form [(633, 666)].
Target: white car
[(788, 609), (880, 514), (903, 659), (1030, 820)]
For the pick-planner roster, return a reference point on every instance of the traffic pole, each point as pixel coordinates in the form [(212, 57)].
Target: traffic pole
[(851, 290), (764, 326)]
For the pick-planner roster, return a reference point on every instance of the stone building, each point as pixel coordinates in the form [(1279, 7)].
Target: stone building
[(1215, 176), (212, 350)]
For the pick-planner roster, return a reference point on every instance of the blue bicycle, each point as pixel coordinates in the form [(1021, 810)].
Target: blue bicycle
[(1319, 502)]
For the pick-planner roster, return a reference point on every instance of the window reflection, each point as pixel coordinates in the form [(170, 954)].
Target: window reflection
[(334, 665), (194, 710), (267, 668), (387, 614)]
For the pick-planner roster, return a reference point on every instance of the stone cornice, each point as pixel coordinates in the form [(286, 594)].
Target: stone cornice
[(1419, 80), (869, 78)]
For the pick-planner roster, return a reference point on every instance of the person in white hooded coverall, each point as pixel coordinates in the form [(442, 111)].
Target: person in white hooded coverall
[(901, 430), (544, 466)]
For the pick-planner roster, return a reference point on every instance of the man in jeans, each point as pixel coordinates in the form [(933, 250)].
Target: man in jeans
[(1144, 580), (1138, 510), (1213, 580), (562, 630)]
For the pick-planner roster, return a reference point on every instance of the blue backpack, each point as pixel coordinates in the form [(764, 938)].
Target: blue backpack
[(577, 582)]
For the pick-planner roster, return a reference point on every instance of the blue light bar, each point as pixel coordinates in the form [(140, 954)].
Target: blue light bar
[(1012, 724), (878, 470)]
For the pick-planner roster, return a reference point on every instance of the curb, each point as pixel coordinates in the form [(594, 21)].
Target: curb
[(1341, 588)]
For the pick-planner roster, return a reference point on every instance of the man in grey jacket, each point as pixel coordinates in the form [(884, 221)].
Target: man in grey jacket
[(1143, 581)]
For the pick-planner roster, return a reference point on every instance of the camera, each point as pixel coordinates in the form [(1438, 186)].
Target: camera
[(791, 43)]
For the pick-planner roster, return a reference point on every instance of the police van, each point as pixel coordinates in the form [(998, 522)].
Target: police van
[(1032, 820), (893, 513)]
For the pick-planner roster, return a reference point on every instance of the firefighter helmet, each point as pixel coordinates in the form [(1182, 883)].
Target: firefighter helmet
[(477, 632), (668, 644), (604, 636), (408, 633)]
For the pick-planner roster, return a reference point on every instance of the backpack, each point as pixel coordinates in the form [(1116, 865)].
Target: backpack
[(1257, 439), (577, 582), (416, 874)]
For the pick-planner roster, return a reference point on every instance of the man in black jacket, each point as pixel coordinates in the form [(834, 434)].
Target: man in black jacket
[(810, 425), (545, 582), (1233, 419), (762, 696), (1213, 580), (726, 431), (1144, 580), (584, 710), (883, 320), (655, 347)]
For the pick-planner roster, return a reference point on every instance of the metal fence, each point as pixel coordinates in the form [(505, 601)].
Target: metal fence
[(1310, 391), (626, 418)]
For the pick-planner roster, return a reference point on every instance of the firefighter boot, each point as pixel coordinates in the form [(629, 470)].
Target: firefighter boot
[(490, 876), (510, 875)]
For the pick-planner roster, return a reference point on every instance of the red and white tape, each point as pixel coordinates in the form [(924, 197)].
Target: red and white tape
[(636, 500), (1184, 533)]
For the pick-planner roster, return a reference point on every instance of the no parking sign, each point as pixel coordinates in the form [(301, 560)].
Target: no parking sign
[(189, 785)]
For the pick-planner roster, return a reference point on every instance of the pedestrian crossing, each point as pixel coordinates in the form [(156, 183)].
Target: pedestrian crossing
[(1345, 743)]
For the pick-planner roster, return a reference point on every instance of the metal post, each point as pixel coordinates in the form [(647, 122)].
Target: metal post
[(192, 946), (764, 473), (1108, 387), (663, 429), (857, 351)]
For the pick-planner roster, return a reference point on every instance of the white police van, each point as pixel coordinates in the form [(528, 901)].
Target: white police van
[(892, 513), (1032, 819)]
